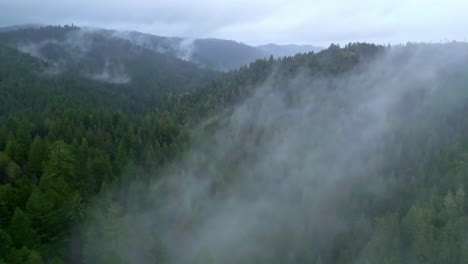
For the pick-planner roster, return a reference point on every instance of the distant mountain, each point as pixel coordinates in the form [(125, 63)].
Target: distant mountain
[(216, 54), (279, 51), (348, 155), (91, 55), (224, 54), (17, 27), (209, 53)]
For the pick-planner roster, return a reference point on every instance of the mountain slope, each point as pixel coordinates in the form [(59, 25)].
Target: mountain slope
[(217, 54), (18, 27), (348, 155), (345, 156), (300, 139), (103, 58), (214, 54), (279, 51)]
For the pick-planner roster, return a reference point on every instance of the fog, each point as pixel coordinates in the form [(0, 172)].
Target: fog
[(356, 153), (111, 74), (280, 168), (257, 22), (182, 48), (67, 53)]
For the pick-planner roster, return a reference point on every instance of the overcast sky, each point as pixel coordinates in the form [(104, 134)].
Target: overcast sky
[(318, 22)]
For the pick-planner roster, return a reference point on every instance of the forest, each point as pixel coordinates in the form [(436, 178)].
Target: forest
[(112, 152)]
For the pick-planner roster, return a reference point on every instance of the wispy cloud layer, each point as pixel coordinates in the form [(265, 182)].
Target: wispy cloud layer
[(258, 21)]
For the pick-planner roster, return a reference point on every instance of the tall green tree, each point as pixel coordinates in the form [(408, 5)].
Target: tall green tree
[(4, 160), (21, 231), (37, 156), (61, 164), (5, 244), (23, 141), (11, 148)]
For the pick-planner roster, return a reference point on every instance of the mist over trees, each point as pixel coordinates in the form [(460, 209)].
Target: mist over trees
[(113, 152), (209, 53)]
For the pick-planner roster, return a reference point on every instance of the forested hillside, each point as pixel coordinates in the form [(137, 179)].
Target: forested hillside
[(208, 53), (355, 154), (73, 52), (216, 54)]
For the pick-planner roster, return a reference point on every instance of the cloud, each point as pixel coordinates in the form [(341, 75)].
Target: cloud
[(75, 47), (281, 169), (258, 21), (111, 74)]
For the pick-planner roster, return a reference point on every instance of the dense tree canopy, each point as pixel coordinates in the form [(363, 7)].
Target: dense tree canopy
[(66, 138)]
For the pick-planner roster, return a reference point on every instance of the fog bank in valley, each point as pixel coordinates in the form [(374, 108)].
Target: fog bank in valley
[(279, 171)]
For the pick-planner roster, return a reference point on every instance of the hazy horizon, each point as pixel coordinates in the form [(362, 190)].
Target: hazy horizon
[(258, 22)]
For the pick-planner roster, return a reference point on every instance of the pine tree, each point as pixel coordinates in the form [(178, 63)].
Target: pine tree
[(24, 187), (36, 157), (121, 158), (10, 148), (13, 171), (419, 230), (23, 140), (61, 164), (8, 203), (35, 258), (50, 208), (21, 231), (5, 244), (82, 169), (56, 260), (19, 256), (4, 160)]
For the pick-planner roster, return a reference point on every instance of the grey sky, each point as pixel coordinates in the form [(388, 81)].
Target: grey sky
[(258, 21)]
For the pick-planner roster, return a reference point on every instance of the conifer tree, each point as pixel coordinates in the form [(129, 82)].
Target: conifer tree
[(37, 156), (21, 231)]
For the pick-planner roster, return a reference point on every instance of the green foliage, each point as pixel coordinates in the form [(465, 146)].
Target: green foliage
[(21, 256), (21, 231), (60, 165), (56, 261), (10, 149), (66, 139), (13, 171), (35, 258), (36, 157), (6, 244)]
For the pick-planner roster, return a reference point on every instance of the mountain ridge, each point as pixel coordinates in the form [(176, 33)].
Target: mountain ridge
[(287, 50), (211, 53)]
